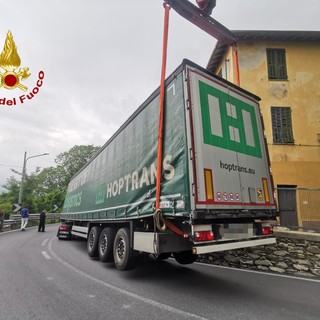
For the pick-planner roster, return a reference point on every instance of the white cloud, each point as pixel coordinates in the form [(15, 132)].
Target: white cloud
[(102, 59)]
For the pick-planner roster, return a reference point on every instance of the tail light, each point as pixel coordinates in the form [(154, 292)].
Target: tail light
[(63, 228), (203, 236), (267, 230)]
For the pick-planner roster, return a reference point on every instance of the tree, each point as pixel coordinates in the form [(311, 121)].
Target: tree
[(45, 188), (10, 196), (53, 181), (70, 162)]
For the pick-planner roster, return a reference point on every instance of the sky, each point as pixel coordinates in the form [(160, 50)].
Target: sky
[(94, 62)]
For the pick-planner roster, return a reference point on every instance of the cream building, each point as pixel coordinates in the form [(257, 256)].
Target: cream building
[(283, 69)]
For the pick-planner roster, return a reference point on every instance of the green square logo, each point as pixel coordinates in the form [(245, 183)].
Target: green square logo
[(100, 194), (227, 122)]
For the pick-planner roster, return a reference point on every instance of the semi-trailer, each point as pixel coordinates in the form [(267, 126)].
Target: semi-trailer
[(216, 185)]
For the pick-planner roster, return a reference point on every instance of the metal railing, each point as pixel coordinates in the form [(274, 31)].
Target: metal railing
[(14, 222)]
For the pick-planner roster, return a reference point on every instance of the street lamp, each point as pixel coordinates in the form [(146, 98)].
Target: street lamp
[(24, 172)]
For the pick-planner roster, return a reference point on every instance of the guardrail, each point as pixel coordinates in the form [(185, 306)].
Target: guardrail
[(14, 222)]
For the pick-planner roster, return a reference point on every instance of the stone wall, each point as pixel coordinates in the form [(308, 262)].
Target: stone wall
[(295, 253)]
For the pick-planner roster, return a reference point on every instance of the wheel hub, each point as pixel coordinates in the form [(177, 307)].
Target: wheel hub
[(91, 240), (121, 248), (104, 242)]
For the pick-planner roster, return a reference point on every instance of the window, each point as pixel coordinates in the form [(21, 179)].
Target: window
[(277, 68), (281, 125)]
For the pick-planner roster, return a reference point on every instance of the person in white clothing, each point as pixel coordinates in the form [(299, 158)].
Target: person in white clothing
[(24, 218)]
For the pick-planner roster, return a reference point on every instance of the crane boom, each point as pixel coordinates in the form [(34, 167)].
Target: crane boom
[(202, 20)]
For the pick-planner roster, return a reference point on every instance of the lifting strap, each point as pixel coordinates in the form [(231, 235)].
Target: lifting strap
[(161, 114)]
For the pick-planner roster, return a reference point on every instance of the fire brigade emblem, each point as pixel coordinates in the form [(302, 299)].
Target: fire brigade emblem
[(10, 62)]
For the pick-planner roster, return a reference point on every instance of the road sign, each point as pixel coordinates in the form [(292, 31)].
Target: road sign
[(16, 207), (55, 207)]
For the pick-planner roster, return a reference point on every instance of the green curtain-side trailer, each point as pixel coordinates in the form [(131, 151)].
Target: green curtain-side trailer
[(216, 186)]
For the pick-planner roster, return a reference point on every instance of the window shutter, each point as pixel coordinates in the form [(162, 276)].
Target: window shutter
[(281, 125), (282, 74), (276, 60), (271, 64)]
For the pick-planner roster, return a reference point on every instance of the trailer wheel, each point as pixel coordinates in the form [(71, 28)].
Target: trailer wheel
[(185, 257), (106, 241), (93, 241), (124, 256)]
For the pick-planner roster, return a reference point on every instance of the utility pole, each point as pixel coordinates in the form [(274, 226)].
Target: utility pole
[(25, 159)]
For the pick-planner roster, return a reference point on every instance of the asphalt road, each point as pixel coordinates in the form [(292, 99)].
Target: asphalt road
[(44, 278)]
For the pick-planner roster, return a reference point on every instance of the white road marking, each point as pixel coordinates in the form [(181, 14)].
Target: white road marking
[(45, 254), (44, 242), (151, 302)]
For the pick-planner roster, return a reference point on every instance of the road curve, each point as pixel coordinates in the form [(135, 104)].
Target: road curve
[(44, 278)]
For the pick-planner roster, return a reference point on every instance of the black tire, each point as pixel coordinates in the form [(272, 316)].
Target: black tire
[(106, 241), (163, 256), (93, 241), (185, 257), (124, 256)]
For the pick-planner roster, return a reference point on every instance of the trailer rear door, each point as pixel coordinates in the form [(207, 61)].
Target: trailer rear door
[(229, 156)]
